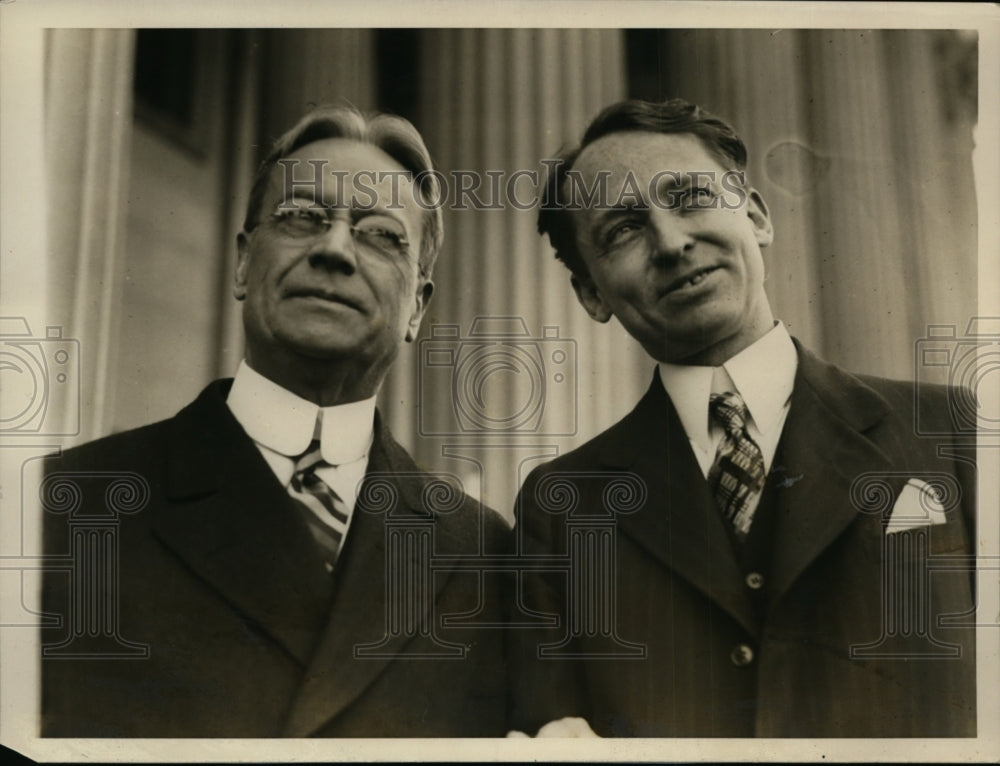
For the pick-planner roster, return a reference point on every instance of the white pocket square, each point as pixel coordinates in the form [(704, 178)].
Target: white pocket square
[(918, 505)]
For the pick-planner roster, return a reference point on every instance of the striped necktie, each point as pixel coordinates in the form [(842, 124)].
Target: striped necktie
[(323, 509), (737, 475)]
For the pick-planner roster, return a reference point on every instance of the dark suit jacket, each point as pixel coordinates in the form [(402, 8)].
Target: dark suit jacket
[(248, 635), (722, 658)]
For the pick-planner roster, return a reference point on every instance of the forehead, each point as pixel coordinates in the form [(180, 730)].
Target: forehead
[(332, 167), (644, 154)]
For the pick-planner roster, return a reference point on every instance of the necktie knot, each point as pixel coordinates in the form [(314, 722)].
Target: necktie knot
[(730, 411), (325, 512), (309, 460)]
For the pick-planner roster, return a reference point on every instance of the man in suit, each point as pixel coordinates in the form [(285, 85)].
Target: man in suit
[(770, 570), (266, 552)]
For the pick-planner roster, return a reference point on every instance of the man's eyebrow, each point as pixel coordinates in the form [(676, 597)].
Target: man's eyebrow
[(670, 180), (293, 197), (365, 211)]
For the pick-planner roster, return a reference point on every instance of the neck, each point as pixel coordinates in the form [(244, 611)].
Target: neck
[(323, 382)]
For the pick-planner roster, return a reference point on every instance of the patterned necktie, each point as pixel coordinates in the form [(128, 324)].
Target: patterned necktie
[(323, 510), (737, 475)]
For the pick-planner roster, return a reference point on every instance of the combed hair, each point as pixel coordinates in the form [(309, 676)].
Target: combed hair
[(393, 135), (672, 116)]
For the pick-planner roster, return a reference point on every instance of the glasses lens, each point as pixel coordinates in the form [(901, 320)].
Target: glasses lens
[(381, 232), (300, 222)]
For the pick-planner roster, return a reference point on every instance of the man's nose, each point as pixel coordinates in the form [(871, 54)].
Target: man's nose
[(334, 250), (668, 234)]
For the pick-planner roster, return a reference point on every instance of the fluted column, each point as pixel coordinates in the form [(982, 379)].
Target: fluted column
[(240, 172), (88, 122), (765, 83), (306, 67), (498, 101), (933, 180), (864, 283)]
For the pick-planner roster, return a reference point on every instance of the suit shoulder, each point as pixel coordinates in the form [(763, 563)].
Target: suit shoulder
[(458, 515), (909, 397), (137, 445), (462, 522), (470, 509), (896, 390), (587, 456)]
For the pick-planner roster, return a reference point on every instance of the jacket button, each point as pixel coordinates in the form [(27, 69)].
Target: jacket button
[(741, 656), (755, 581)]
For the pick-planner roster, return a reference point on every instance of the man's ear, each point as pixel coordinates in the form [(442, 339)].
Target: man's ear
[(242, 263), (424, 293), (760, 217), (590, 297)]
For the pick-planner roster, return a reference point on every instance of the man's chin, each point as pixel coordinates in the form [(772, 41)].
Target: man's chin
[(326, 350), (323, 343), (695, 344)]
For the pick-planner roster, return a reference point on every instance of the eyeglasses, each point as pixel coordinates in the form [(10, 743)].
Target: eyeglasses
[(382, 233)]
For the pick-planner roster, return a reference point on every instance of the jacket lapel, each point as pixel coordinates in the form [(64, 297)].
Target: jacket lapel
[(824, 448), (679, 524), (336, 677), (230, 521)]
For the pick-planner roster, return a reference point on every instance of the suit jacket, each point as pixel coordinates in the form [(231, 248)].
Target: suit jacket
[(822, 625), (247, 633)]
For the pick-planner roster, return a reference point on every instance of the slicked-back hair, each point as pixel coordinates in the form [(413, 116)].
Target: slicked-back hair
[(672, 116), (393, 135)]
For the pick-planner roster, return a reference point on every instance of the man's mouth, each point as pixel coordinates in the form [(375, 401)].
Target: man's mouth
[(324, 295), (690, 280)]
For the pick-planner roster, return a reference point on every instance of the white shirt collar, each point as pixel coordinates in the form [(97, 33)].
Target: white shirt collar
[(285, 423), (763, 374)]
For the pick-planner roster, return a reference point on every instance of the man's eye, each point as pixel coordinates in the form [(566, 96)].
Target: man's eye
[(379, 233), (384, 233), (301, 221), (698, 197), (622, 233)]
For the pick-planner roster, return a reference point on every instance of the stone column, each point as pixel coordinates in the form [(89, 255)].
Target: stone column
[(859, 141), (496, 101), (88, 122), (307, 67)]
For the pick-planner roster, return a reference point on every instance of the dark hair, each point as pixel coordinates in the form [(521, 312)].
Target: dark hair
[(673, 116), (394, 135)]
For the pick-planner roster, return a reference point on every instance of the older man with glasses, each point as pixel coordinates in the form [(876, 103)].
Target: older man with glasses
[(260, 575)]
